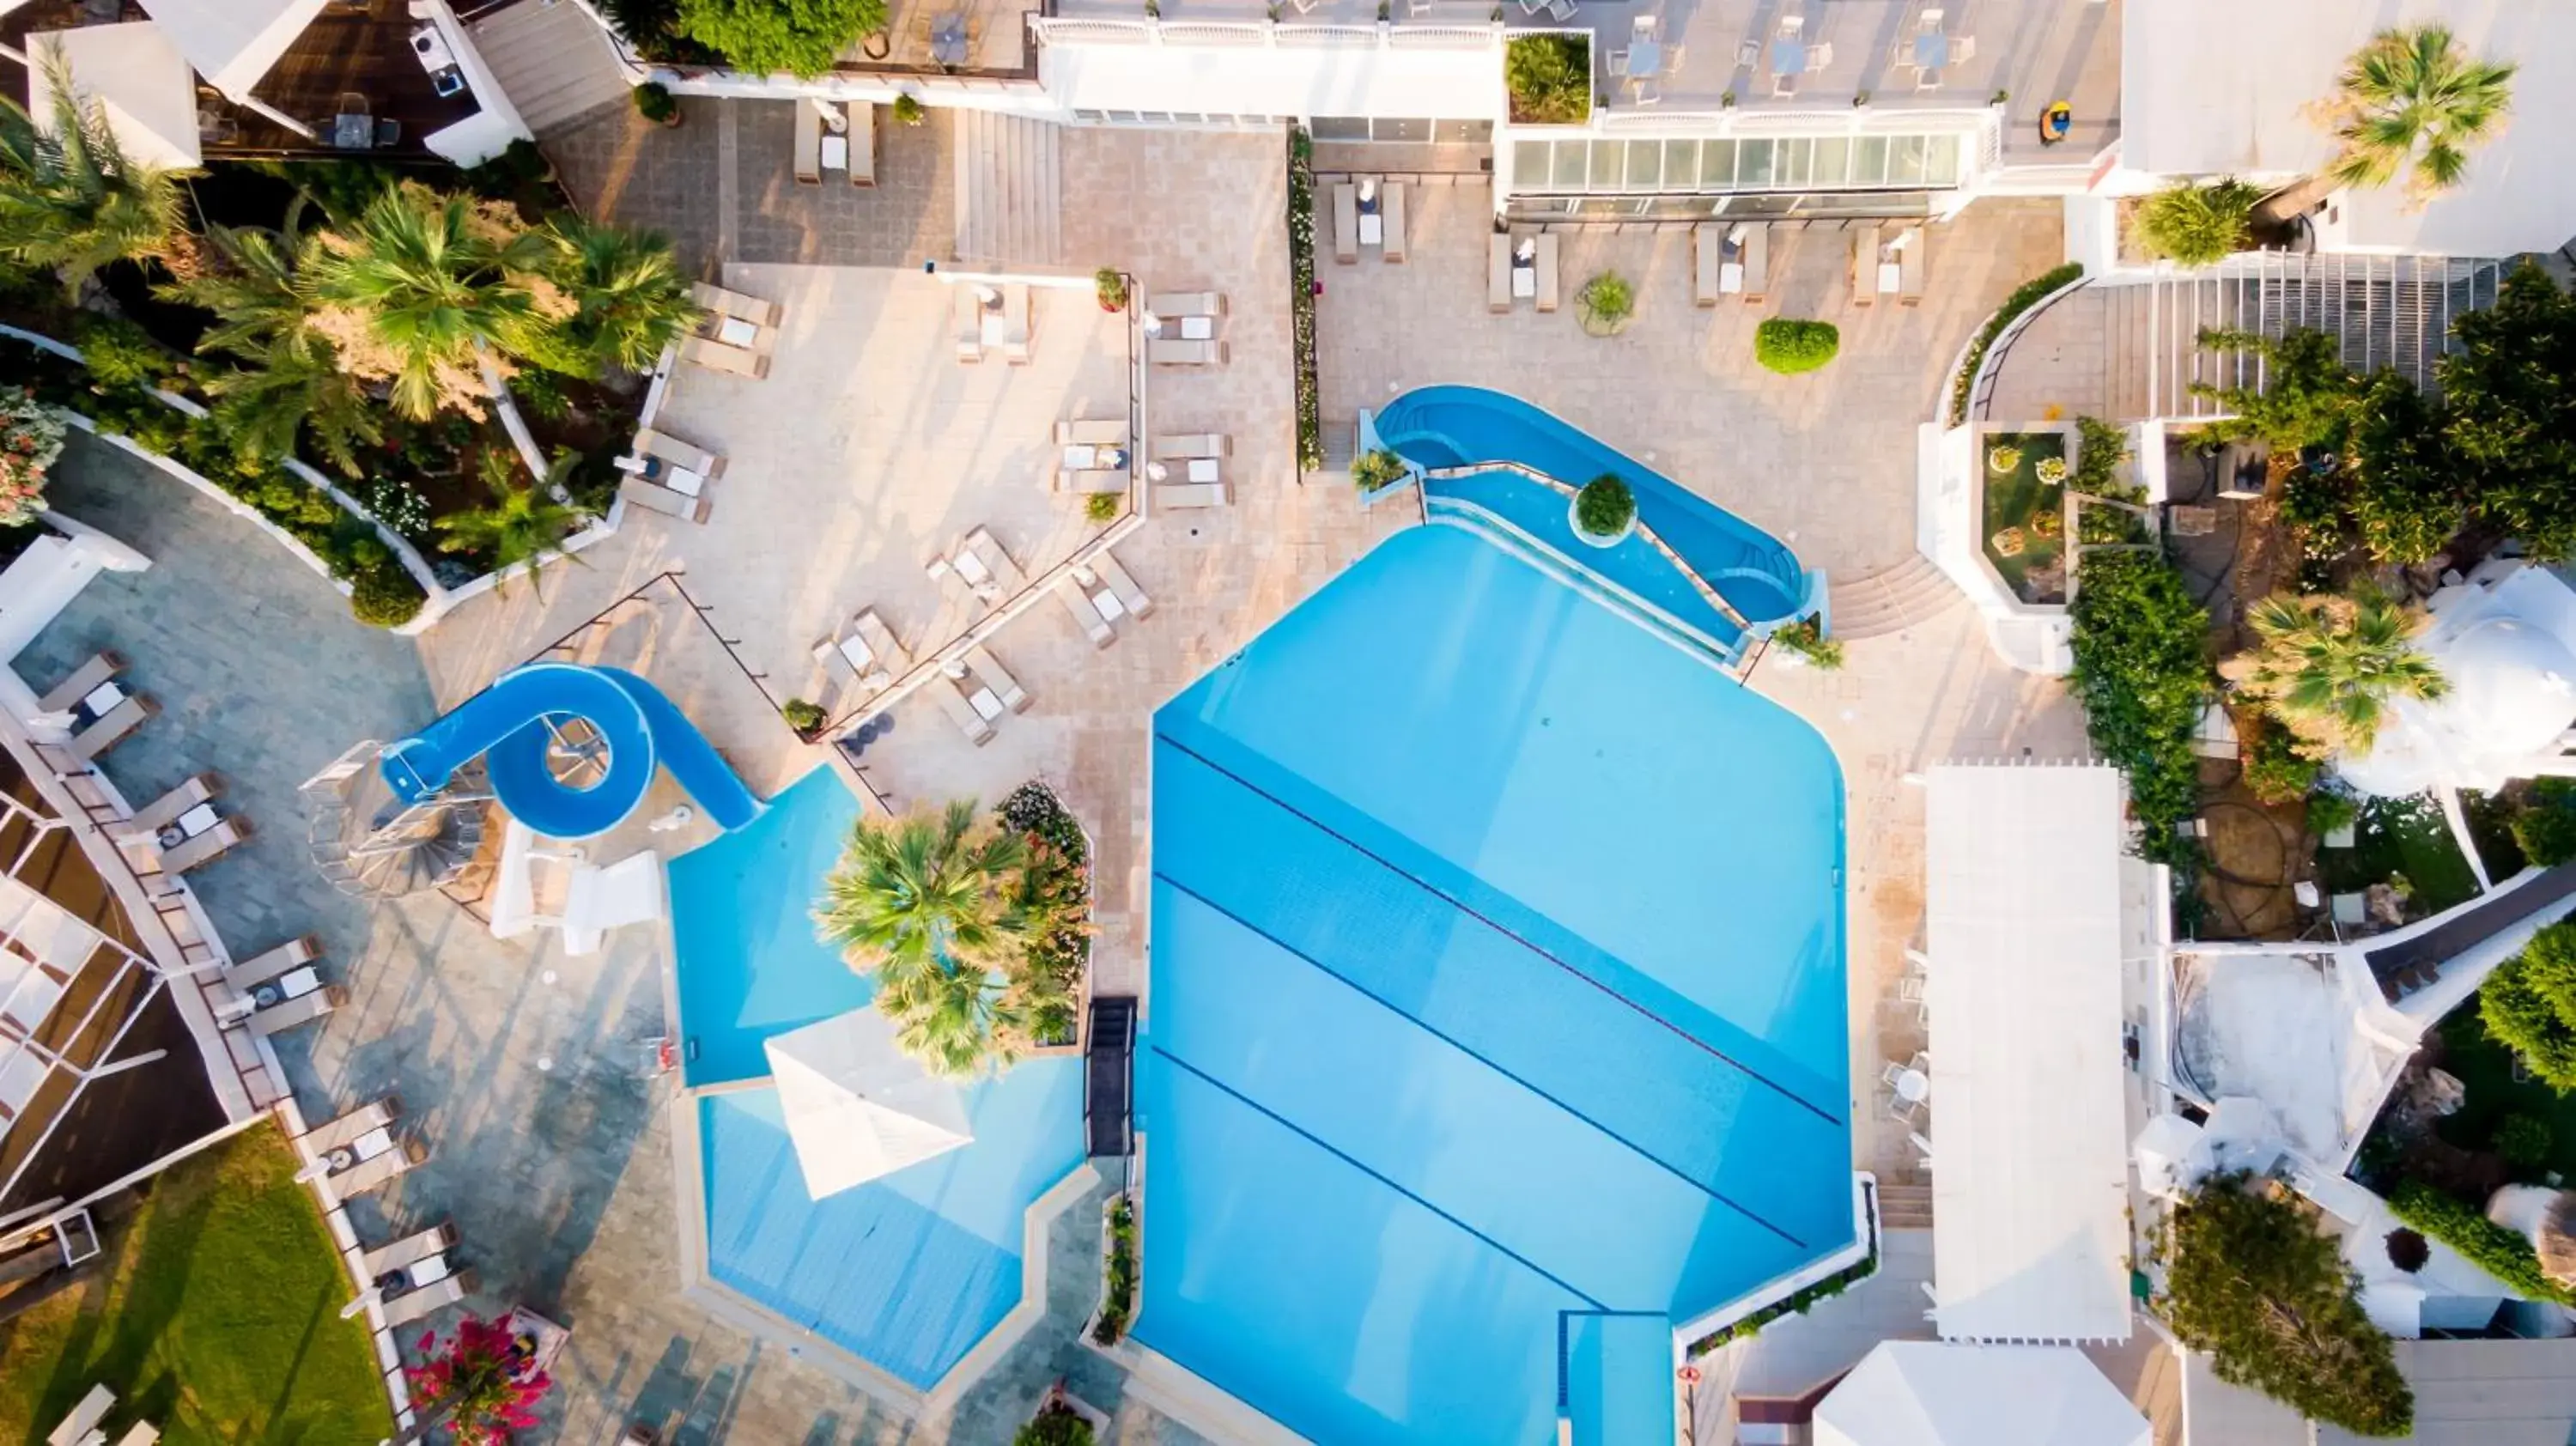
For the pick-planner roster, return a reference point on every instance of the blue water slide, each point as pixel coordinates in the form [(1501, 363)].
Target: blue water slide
[(507, 726)]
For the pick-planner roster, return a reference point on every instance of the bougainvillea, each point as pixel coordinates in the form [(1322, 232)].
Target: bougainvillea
[(31, 437), (481, 1383)]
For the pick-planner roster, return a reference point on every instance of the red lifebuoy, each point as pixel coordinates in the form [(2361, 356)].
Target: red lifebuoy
[(1689, 1375)]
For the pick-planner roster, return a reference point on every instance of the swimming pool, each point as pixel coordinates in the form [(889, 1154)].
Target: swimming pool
[(909, 1270), (1497, 1007), (1438, 427)]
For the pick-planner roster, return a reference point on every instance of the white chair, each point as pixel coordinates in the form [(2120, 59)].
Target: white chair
[(1891, 1074), (1819, 56)]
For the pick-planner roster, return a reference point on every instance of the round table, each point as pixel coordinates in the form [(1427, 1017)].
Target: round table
[(1913, 1086)]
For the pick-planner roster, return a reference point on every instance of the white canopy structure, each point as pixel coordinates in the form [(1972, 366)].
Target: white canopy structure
[(856, 1106), (1452, 82), (2027, 886), (232, 43), (2506, 641), (1922, 1393), (136, 77)]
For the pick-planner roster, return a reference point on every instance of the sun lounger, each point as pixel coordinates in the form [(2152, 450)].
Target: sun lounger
[(84, 680), (422, 1301), (809, 143), (1391, 204), (1911, 262), (1085, 615), (1187, 303), (1163, 353), (952, 702), (1193, 494), (164, 811), (881, 642), (1091, 482), (369, 1173), (667, 448), (1708, 264), (302, 1009), (111, 727), (863, 142), (269, 964), (1757, 263), (734, 304), (409, 1251), (1016, 324), (1094, 432), (78, 1427), (662, 499), (1346, 223), (1546, 269), (1498, 273), (1864, 265), (990, 669), (1120, 585), (715, 356), (141, 1433), (967, 314), (205, 848), (980, 545), (330, 1135), (1186, 445)]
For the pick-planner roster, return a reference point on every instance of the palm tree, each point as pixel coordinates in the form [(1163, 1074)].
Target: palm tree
[(927, 905), (70, 198), (433, 291), (630, 300), (294, 378), (2329, 667), (523, 523), (2412, 101)]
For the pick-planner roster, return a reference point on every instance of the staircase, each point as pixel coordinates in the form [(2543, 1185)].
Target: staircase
[(1010, 190), (552, 61), (1890, 600), (394, 849), (1108, 1068), (1904, 1207)]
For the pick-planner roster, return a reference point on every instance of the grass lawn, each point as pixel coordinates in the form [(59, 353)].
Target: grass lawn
[(2485, 1068), (2013, 497), (2401, 836), (218, 1317)]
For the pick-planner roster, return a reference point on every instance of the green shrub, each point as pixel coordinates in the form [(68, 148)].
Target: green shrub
[(2197, 224), (2546, 827), (2529, 1004), (2142, 672), (1606, 304), (1104, 506), (1789, 346), (801, 715), (2024, 297), (1376, 469), (1056, 1427), (1118, 1289), (120, 355), (1549, 78), (2330, 811), (385, 596), (801, 37), (2406, 492), (2522, 1140), (1799, 1302), (1804, 638), (1110, 285), (2100, 448), (908, 110), (2275, 772), (1604, 507), (654, 102), (2503, 1253)]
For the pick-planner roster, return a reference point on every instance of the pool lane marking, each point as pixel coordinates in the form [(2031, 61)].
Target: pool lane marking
[(1328, 1148), (1329, 972), (1463, 907)]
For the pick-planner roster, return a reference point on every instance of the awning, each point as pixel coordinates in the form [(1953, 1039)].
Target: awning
[(1427, 82), (233, 43), (134, 75), (856, 1106), (1920, 1393)]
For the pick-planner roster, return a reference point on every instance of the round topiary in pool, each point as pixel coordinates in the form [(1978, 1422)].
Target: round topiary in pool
[(1790, 346), (1604, 508)]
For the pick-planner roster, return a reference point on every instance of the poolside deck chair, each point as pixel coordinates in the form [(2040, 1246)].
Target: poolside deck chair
[(302, 1009), (206, 847), (1708, 264), (952, 701), (330, 1135), (1498, 273), (1092, 432), (1090, 482), (84, 680), (809, 143), (1911, 263), (1864, 265), (1757, 264), (658, 498), (1193, 494), (735, 304), (1164, 352), (715, 356), (863, 142), (1391, 206), (967, 315), (881, 642), (1546, 269), (1186, 445), (77, 1428), (410, 1250), (164, 811), (268, 964), (1187, 303), (144, 1433), (981, 545), (1085, 615), (396, 1158), (1120, 585), (1346, 223), (996, 677), (1016, 324), (111, 728), (667, 448), (423, 1301)]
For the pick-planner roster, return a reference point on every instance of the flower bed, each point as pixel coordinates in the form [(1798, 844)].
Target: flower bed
[(1059, 890), (1301, 298), (31, 437), (2025, 511), (1118, 1273)]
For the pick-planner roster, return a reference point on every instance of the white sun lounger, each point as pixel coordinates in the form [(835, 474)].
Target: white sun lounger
[(84, 680), (1346, 223), (248, 974), (1092, 432), (330, 1135), (1004, 686), (655, 497), (662, 445), (141, 1433), (111, 727), (953, 702), (967, 314), (1187, 445), (1085, 614), (716, 356), (410, 1250), (1193, 494), (206, 847), (164, 811), (381, 1158), (81, 1425), (809, 142), (863, 142), (1120, 585), (1171, 353), (1016, 324), (302, 1009), (421, 1301), (734, 304)]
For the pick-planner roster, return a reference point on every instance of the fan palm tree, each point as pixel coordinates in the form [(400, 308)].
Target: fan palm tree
[(293, 379), (630, 300), (928, 906), (70, 197), (2412, 101), (2329, 667), (522, 523), (433, 292)]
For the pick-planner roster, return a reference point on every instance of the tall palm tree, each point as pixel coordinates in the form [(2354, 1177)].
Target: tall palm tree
[(2411, 100), (2329, 667), (522, 523), (630, 300), (294, 379), (70, 197), (927, 905), (432, 291)]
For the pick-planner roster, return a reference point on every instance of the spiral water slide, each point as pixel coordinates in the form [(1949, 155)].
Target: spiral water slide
[(513, 725)]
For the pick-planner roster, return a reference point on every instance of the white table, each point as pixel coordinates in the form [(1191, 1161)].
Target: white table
[(994, 329), (1198, 328), (1203, 469), (1086, 457), (1913, 1086), (1372, 228), (836, 153), (373, 1143), (1890, 278), (102, 698), (197, 820), (987, 706), (734, 331)]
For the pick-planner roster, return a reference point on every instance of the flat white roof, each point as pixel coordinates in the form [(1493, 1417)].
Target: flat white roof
[(232, 43), (1445, 82), (2213, 87), (137, 78), (2030, 1171), (1922, 1393)]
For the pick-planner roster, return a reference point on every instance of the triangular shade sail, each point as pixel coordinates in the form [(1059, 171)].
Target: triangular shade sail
[(856, 1106)]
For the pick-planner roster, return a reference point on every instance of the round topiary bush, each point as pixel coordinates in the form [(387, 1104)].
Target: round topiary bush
[(2408, 1250), (1606, 304), (1604, 509), (656, 104), (1789, 346), (385, 597)]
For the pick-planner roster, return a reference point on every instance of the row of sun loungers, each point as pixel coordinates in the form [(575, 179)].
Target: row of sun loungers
[(851, 149), (1199, 457), (669, 475), (1730, 261), (179, 830), (1091, 456), (1520, 268), (92, 709), (1887, 266), (992, 317), (358, 1151), (413, 1276), (737, 335), (1368, 212)]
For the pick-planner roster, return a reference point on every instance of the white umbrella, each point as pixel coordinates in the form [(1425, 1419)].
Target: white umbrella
[(856, 1106)]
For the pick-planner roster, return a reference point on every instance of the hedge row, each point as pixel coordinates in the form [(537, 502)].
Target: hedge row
[(1301, 299), (2503, 1253)]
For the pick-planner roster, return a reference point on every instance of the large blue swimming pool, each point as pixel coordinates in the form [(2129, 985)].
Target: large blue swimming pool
[(1497, 1007), (907, 1271)]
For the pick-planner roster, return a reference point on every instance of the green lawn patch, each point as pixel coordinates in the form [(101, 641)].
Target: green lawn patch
[(217, 1317), (2401, 836), (2025, 512)]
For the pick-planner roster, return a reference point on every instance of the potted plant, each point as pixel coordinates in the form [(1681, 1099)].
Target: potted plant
[(2003, 457), (1055, 1424), (1606, 304), (1103, 506), (1110, 285), (1377, 469), (1805, 639), (806, 718), (1604, 511), (2051, 471), (656, 104), (907, 109)]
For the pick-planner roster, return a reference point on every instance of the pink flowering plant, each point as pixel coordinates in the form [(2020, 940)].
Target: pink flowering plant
[(31, 437), (481, 1383)]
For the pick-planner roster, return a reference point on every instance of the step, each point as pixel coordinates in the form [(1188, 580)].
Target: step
[(1890, 600), (1009, 190)]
